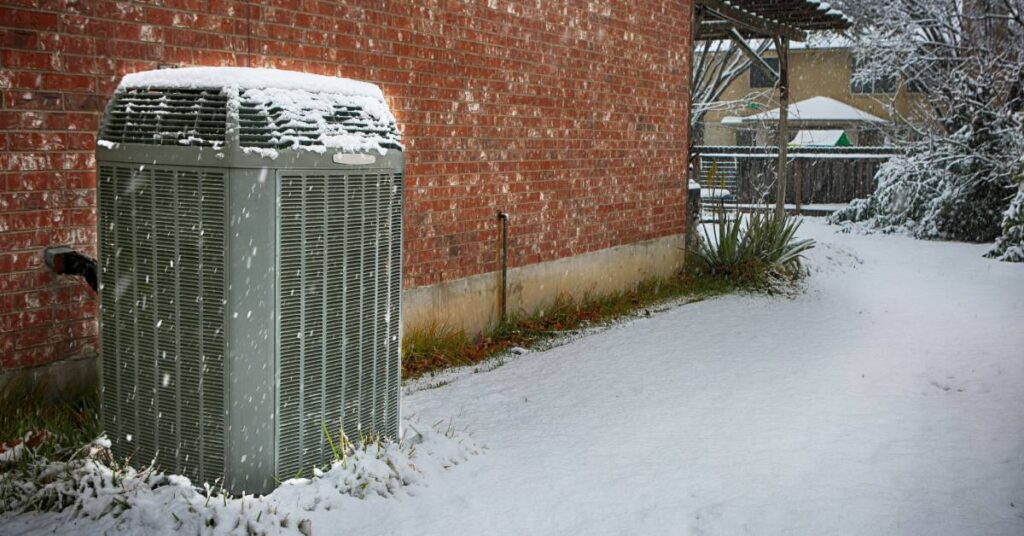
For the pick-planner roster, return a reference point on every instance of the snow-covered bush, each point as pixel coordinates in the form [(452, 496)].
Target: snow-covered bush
[(93, 493), (957, 188), (1010, 245), (963, 140)]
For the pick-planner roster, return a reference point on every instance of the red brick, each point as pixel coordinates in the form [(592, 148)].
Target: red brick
[(24, 18), (35, 180), (23, 39), (38, 141), (20, 120), (79, 180), (20, 59), (34, 100), (68, 82), (85, 102), (32, 357)]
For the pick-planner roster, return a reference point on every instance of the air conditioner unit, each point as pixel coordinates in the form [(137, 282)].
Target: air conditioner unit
[(250, 246)]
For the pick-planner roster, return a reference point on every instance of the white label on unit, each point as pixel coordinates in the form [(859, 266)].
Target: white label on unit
[(354, 159)]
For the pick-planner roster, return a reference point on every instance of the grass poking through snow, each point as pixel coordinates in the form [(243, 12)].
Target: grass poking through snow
[(437, 347), (50, 428)]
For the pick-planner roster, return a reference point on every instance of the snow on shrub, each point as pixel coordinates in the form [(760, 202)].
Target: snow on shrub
[(1010, 245), (950, 189), (93, 493), (958, 188)]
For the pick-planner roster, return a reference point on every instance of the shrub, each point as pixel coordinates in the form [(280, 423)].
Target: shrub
[(1010, 244), (756, 250)]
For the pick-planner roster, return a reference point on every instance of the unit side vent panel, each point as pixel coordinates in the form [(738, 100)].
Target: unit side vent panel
[(162, 290), (339, 295), (178, 116)]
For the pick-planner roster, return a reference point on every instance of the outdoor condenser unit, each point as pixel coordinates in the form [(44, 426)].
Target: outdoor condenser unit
[(250, 245)]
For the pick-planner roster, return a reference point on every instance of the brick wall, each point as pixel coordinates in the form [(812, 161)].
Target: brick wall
[(571, 116)]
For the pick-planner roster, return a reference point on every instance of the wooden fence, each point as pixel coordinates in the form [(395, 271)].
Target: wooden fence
[(821, 175)]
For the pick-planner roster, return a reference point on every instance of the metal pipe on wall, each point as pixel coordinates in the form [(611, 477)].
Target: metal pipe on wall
[(503, 217)]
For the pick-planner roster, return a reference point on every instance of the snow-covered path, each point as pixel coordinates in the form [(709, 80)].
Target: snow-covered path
[(889, 399)]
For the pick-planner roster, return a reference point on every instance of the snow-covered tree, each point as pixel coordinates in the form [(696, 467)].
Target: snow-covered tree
[(716, 65), (962, 145), (1010, 245)]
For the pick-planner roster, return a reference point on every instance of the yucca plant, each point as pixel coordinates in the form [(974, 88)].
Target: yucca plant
[(756, 249)]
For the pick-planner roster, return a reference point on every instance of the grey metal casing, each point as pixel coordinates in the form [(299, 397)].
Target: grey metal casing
[(270, 417)]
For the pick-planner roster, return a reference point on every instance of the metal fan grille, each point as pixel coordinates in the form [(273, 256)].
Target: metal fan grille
[(171, 116), (267, 125), (338, 302), (161, 255)]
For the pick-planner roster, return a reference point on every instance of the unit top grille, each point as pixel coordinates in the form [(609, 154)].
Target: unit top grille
[(268, 120), (179, 116), (300, 119)]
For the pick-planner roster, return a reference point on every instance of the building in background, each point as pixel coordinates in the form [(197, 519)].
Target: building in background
[(823, 94), (815, 121)]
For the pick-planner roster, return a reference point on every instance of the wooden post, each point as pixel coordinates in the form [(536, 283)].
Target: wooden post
[(696, 15), (798, 182), (782, 50)]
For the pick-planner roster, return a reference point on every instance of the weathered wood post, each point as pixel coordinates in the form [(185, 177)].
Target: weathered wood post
[(798, 182), (782, 50)]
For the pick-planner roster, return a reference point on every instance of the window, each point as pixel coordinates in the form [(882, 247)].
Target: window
[(759, 78), (885, 84)]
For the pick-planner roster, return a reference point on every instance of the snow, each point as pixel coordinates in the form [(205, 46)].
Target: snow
[(768, 153), (714, 193), (250, 78), (815, 41), (812, 109), (99, 499), (884, 399), (824, 414), (12, 454), (817, 207), (827, 138), (297, 113)]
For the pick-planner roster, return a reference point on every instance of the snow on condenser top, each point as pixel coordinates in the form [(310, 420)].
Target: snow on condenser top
[(276, 110), (249, 78)]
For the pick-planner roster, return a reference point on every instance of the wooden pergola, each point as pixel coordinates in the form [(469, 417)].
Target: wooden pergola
[(781, 21)]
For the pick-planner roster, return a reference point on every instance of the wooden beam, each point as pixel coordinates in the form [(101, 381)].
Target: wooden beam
[(756, 59), (747, 20)]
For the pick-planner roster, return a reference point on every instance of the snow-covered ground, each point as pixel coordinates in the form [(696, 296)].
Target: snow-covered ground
[(886, 399)]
